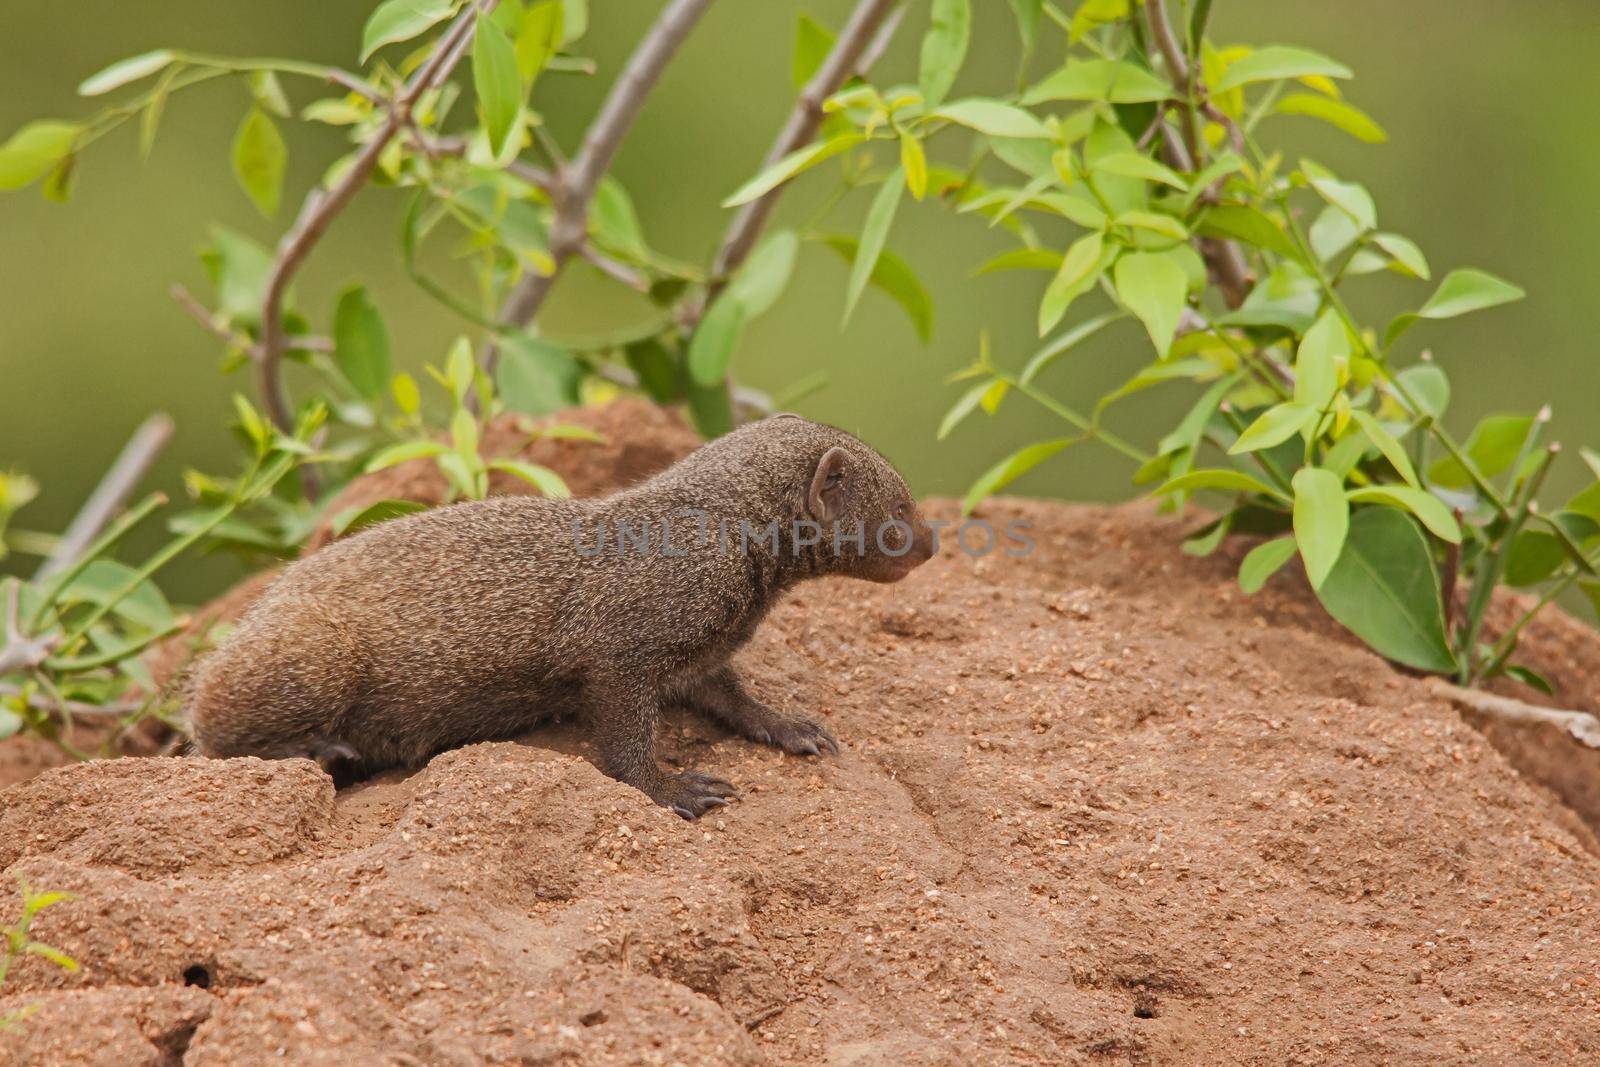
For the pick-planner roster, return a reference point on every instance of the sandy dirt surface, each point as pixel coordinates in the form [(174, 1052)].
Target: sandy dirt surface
[(1095, 806)]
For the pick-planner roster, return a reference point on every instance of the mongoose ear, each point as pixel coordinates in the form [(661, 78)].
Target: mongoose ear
[(826, 500)]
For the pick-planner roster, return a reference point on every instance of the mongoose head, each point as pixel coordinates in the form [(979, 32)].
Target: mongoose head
[(866, 520)]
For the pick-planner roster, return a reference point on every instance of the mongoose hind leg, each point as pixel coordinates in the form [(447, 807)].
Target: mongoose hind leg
[(721, 695), (625, 713)]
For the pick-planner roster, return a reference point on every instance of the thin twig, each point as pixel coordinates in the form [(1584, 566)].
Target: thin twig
[(345, 80), (113, 491), (614, 268), (1223, 258), (40, 702), (1583, 726), (321, 207), (576, 182), (849, 56), (200, 313)]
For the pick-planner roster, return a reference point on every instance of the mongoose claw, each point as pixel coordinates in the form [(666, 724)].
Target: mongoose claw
[(801, 736), (692, 794)]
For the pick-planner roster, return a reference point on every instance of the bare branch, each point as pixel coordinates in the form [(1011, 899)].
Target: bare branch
[(1224, 261), (1583, 726), (345, 80), (20, 652), (854, 50), (576, 183), (119, 481), (321, 207), (614, 268)]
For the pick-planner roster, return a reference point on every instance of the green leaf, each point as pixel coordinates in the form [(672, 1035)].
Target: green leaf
[(361, 344), (403, 452), (577, 16), (55, 956), (464, 432), (894, 276), (1263, 561), (1530, 677), (125, 71), (1534, 556), (1079, 268), (993, 117), (1165, 225), (268, 93), (1275, 62), (1408, 258), (1494, 446), (1429, 385), (1337, 113), (1274, 426), (1243, 223), (497, 82), (1385, 589), (1461, 291), (1027, 13), (1057, 346), (764, 275), (1321, 520), (615, 220), (1421, 503), (812, 43), (1021, 259), (1325, 346), (1135, 165), (964, 406), (350, 520), (712, 346), (1392, 450), (875, 232), (914, 161), (238, 268), (944, 47), (791, 165), (656, 369), (259, 156), (401, 20), (1218, 478), (460, 368), (535, 376), (103, 580), (35, 150), (1111, 80), (711, 408), (538, 38), (547, 481), (1349, 197), (150, 118), (1011, 468), (1153, 285)]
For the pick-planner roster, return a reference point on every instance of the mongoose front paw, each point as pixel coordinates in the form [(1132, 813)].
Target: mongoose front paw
[(692, 794), (801, 735)]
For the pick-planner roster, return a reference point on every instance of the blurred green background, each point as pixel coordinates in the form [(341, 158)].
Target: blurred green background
[(1493, 158)]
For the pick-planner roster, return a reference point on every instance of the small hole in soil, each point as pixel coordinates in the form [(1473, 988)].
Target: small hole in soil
[(592, 1018), (198, 975), (1144, 1005)]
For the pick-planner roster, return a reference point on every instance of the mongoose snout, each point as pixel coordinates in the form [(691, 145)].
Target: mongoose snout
[(476, 621)]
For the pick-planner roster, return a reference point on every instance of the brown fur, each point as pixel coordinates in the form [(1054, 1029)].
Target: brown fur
[(477, 621)]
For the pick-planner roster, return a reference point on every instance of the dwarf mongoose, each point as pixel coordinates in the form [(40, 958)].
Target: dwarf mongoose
[(474, 622)]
